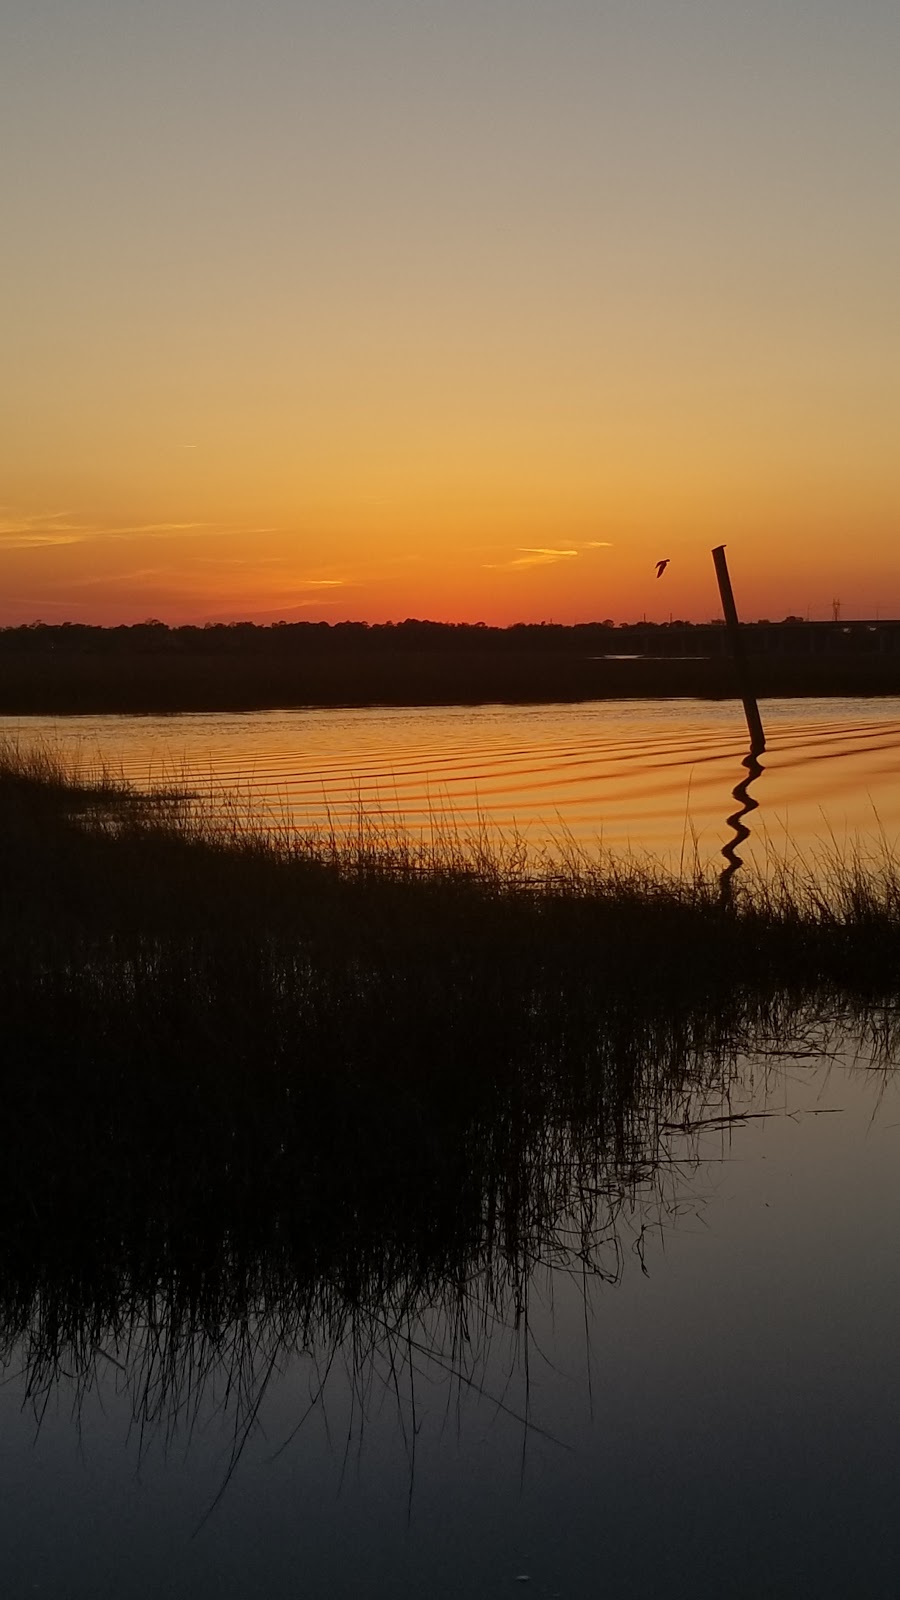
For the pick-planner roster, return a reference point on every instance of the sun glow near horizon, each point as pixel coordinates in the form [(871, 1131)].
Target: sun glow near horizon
[(457, 311)]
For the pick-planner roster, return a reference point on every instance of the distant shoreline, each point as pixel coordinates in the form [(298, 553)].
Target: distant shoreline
[(66, 683)]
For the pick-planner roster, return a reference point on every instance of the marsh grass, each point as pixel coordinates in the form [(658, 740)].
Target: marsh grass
[(268, 1092)]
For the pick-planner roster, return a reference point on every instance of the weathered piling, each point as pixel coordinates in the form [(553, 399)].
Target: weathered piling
[(742, 668)]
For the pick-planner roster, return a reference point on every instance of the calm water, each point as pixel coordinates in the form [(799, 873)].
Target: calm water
[(683, 1381), (645, 776), (692, 1390)]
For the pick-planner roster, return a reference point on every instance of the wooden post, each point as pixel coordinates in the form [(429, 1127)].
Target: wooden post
[(729, 610)]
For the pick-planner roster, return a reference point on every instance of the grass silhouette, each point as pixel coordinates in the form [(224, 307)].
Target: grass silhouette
[(264, 1092)]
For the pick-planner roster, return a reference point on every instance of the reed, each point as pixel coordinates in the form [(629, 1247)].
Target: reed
[(89, 862), (271, 1092)]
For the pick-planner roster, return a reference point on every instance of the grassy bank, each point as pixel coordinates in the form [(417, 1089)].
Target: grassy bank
[(87, 858), (259, 1093), (191, 1000)]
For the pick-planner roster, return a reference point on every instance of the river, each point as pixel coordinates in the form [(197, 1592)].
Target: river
[(646, 777)]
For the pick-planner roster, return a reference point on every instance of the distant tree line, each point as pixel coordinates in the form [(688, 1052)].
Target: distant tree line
[(306, 637)]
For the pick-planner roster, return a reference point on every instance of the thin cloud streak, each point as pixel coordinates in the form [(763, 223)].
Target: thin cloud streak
[(270, 613), (50, 530), (545, 555), (19, 540)]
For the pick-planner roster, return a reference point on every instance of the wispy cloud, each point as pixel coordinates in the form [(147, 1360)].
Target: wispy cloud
[(156, 530), (272, 614), (533, 557), (21, 539), (51, 529), (545, 555), (107, 580), (33, 532), (35, 607)]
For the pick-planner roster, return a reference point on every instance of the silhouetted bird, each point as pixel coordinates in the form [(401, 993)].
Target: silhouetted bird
[(661, 566)]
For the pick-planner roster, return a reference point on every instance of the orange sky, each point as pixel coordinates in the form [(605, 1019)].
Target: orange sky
[(462, 311)]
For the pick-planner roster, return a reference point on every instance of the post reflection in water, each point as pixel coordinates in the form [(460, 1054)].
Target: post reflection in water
[(640, 777), (359, 1243), (371, 1238), (746, 804)]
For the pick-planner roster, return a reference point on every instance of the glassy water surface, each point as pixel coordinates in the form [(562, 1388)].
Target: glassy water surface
[(646, 1348), (683, 1381), (651, 777)]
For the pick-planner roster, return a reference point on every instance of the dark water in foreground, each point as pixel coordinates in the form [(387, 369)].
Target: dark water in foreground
[(684, 1381)]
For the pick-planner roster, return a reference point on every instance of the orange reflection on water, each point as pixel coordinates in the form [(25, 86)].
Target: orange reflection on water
[(653, 777)]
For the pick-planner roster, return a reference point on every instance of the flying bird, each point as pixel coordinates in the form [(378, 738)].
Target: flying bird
[(661, 566)]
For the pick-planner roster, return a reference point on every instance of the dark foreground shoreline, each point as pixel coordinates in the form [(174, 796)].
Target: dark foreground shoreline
[(64, 682), (287, 1113), (186, 1003), (262, 1097)]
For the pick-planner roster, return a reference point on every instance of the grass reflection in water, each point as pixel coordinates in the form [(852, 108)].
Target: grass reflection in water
[(346, 1099)]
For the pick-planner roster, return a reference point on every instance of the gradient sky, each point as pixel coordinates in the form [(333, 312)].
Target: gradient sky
[(387, 308)]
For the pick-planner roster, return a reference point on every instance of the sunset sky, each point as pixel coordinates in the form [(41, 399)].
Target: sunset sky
[(462, 309)]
